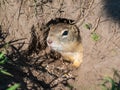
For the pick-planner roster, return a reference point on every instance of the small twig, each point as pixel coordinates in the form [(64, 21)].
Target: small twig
[(96, 25), (35, 6), (20, 9), (81, 19), (59, 10)]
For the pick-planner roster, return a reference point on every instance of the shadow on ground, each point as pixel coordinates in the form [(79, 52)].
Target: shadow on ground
[(33, 68), (112, 9)]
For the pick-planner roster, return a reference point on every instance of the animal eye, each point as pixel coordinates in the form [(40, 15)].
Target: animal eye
[(65, 33)]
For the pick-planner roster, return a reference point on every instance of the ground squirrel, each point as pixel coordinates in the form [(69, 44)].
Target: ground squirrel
[(65, 39)]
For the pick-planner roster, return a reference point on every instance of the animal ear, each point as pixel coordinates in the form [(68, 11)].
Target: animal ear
[(74, 28), (51, 27)]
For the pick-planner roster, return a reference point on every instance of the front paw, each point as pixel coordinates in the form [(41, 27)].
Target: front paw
[(76, 63)]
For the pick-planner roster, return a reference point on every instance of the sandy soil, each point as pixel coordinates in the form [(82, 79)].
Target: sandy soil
[(35, 67)]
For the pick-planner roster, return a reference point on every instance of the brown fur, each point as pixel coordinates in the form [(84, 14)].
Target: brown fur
[(71, 49)]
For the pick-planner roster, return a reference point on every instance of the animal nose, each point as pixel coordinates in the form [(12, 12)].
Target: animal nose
[(49, 41)]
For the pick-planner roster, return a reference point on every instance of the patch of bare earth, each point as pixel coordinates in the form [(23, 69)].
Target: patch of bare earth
[(35, 67)]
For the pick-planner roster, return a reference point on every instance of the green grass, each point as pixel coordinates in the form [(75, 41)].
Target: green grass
[(4, 60), (95, 36), (111, 83), (2, 71), (88, 26), (14, 87)]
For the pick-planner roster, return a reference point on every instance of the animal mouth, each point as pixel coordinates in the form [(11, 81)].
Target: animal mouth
[(52, 47), (55, 48)]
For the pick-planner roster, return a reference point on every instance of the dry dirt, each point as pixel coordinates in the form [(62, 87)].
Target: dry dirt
[(35, 67)]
